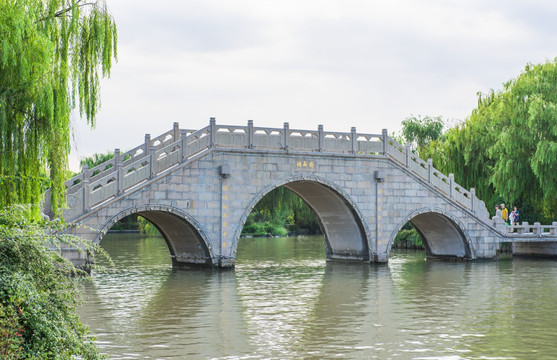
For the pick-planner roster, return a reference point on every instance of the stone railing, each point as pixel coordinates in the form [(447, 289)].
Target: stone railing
[(157, 155), (535, 229), (426, 171)]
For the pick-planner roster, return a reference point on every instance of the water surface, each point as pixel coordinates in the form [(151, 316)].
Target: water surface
[(284, 301)]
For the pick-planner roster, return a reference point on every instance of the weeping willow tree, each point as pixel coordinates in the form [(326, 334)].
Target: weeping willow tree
[(507, 148), (420, 131), (52, 54)]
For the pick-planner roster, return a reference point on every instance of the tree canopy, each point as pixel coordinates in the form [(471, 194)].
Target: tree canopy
[(422, 130), (507, 147), (52, 56)]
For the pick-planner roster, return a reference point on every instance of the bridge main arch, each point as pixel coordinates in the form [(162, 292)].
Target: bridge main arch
[(341, 222), (443, 234), (186, 239)]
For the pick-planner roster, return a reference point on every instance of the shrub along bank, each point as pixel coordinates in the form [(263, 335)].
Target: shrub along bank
[(39, 291)]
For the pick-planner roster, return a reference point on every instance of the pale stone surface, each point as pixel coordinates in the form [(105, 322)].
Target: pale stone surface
[(201, 213)]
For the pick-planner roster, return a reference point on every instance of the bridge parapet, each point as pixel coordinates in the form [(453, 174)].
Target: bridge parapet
[(158, 155), (535, 229), (262, 138)]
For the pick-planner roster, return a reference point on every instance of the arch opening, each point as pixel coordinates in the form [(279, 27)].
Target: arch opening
[(185, 241), (337, 219), (281, 212), (135, 240), (344, 235), (441, 236), (187, 246)]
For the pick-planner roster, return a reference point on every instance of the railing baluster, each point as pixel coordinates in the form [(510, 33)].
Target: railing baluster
[(85, 181), (152, 162), (147, 143), (118, 168), (183, 146), (286, 135), (119, 178), (353, 140), (320, 138), (175, 131), (212, 131), (251, 134)]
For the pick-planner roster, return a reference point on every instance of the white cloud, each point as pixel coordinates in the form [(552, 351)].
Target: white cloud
[(345, 63)]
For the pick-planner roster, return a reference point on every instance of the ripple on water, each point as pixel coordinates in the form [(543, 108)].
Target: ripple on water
[(283, 300)]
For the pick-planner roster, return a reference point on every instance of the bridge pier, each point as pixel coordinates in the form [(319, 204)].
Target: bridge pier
[(379, 258), (535, 249)]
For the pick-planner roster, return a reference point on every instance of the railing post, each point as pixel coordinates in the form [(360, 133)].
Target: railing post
[(451, 184), (212, 131), (147, 145), (286, 135), (429, 170), (85, 171), (553, 227), (118, 168), (119, 178), (152, 162), (523, 227), (473, 199), (175, 131), (116, 156), (537, 228), (320, 138), (183, 145), (251, 134), (408, 152), (353, 139), (385, 136)]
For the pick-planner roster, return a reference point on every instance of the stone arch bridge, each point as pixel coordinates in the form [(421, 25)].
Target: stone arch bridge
[(199, 186)]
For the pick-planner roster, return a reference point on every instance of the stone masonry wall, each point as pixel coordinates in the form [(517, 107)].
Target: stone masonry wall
[(217, 192)]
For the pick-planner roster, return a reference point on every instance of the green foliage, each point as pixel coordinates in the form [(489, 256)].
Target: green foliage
[(408, 237), (507, 148), (130, 222), (280, 212), (421, 131), (51, 57), (38, 291), (146, 227), (91, 162), (97, 159), (262, 223)]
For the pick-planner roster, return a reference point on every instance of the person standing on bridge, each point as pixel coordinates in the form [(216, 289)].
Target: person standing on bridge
[(498, 212), (504, 213), (514, 216)]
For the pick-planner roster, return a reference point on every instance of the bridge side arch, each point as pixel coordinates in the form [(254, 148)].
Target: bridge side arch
[(443, 233), (187, 240), (346, 232)]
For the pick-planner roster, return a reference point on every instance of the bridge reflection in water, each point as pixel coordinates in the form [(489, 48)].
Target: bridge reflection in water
[(198, 187), (283, 300)]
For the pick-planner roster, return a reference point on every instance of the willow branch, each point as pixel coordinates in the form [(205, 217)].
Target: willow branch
[(59, 13)]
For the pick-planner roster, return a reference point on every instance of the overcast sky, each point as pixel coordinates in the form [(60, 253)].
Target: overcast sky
[(339, 63)]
